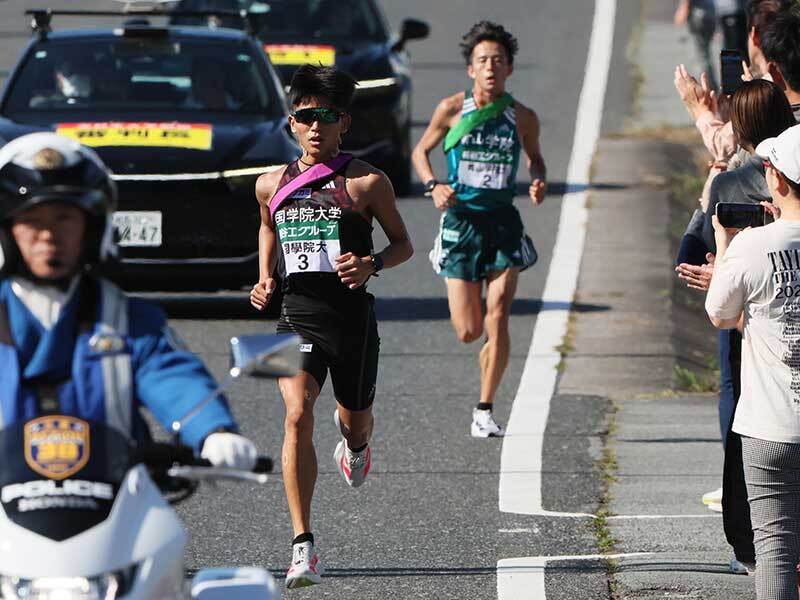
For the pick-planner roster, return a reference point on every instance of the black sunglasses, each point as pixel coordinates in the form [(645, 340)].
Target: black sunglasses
[(307, 116)]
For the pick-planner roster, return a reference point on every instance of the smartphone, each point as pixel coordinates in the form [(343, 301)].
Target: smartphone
[(739, 215), (730, 66)]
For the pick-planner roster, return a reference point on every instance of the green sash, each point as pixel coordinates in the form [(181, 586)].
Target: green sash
[(476, 119)]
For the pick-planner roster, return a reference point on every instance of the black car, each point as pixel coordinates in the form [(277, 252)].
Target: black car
[(354, 36), (186, 118)]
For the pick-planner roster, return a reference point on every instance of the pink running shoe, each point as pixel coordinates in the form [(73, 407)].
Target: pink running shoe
[(305, 569)]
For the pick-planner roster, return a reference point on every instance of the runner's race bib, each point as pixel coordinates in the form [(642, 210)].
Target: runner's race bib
[(484, 175), (309, 238)]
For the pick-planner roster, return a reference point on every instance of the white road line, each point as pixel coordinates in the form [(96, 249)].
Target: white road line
[(523, 578), (521, 459)]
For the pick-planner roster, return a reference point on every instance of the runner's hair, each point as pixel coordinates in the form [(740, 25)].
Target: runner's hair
[(487, 31), (324, 83)]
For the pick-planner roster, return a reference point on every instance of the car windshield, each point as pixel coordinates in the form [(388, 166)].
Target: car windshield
[(300, 20), (144, 76)]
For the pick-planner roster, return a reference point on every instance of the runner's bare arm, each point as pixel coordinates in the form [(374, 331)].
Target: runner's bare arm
[(529, 128), (444, 117), (261, 292), (441, 122), (374, 195)]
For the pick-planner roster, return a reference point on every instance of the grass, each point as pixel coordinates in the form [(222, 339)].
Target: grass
[(697, 382), (607, 468), (567, 345)]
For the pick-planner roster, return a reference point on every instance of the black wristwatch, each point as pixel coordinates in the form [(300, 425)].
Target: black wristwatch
[(429, 185), (377, 263)]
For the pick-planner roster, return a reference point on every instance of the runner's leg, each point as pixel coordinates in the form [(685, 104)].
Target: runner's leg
[(356, 425), (299, 458), (500, 289), (466, 308)]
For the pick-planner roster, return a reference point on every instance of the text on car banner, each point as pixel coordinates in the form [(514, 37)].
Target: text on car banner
[(194, 136)]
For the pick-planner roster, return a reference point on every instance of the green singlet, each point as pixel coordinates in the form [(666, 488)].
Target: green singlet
[(483, 232)]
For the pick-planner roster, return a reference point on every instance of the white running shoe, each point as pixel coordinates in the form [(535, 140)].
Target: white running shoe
[(305, 569), (714, 497), (484, 425), (353, 466), (743, 568)]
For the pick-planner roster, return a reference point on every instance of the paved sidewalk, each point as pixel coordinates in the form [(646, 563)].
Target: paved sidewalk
[(666, 445)]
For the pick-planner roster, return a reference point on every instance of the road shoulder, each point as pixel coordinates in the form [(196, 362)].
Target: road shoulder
[(662, 451)]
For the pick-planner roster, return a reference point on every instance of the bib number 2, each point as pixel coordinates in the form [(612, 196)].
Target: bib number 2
[(484, 175)]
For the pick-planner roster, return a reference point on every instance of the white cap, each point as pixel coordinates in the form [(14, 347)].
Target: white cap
[(783, 152)]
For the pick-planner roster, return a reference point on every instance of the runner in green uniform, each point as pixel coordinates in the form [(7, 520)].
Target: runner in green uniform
[(482, 238), (316, 227)]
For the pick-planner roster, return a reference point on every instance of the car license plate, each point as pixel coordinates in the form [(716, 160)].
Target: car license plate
[(138, 228)]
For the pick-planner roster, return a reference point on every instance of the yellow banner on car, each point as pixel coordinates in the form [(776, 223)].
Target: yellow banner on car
[(300, 54), (194, 136)]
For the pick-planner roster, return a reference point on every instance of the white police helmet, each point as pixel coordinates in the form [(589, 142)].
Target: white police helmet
[(40, 168)]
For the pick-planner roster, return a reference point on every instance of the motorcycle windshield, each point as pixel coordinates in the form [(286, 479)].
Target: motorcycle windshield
[(60, 475)]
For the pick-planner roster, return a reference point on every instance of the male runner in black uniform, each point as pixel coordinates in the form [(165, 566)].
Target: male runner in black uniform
[(317, 213)]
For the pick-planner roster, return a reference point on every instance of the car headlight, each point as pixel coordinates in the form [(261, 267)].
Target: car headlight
[(239, 179), (107, 586), (372, 84)]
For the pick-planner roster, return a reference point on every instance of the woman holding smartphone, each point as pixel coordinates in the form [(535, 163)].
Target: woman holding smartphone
[(754, 287)]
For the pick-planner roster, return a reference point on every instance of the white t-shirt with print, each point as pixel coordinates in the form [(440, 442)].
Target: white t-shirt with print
[(760, 274)]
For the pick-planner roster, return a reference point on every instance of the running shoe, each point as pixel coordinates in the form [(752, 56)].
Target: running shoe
[(714, 497), (715, 506), (484, 425), (743, 568), (305, 569), (353, 466)]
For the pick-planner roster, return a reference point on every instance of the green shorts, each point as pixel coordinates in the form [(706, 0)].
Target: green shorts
[(470, 245)]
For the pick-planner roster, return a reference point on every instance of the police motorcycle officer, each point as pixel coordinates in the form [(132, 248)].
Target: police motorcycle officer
[(71, 342)]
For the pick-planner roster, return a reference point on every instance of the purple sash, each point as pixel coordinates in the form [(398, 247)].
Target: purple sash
[(307, 177)]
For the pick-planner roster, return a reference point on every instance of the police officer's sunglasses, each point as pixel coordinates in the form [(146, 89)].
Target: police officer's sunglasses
[(307, 116)]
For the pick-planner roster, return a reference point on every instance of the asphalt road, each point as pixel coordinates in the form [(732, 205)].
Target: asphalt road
[(427, 523)]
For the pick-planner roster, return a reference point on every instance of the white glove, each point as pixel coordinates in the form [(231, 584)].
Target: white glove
[(230, 450)]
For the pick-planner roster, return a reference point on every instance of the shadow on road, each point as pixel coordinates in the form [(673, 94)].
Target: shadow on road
[(435, 309), (237, 306), (554, 188)]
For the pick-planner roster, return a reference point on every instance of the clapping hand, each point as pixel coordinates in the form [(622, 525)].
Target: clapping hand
[(697, 277)]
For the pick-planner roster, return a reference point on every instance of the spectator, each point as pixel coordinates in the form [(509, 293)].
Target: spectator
[(759, 110), (780, 44), (699, 16), (700, 98), (753, 288)]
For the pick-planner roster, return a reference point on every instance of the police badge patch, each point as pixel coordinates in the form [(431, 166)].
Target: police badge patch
[(56, 446)]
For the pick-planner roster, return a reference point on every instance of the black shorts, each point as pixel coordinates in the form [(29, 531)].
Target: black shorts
[(346, 343)]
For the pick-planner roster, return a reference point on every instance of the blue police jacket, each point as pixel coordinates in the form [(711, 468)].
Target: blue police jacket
[(106, 355)]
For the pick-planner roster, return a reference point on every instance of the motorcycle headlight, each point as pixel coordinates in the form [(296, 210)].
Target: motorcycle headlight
[(107, 586)]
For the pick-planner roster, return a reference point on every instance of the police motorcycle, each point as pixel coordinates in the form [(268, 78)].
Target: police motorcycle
[(86, 513)]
